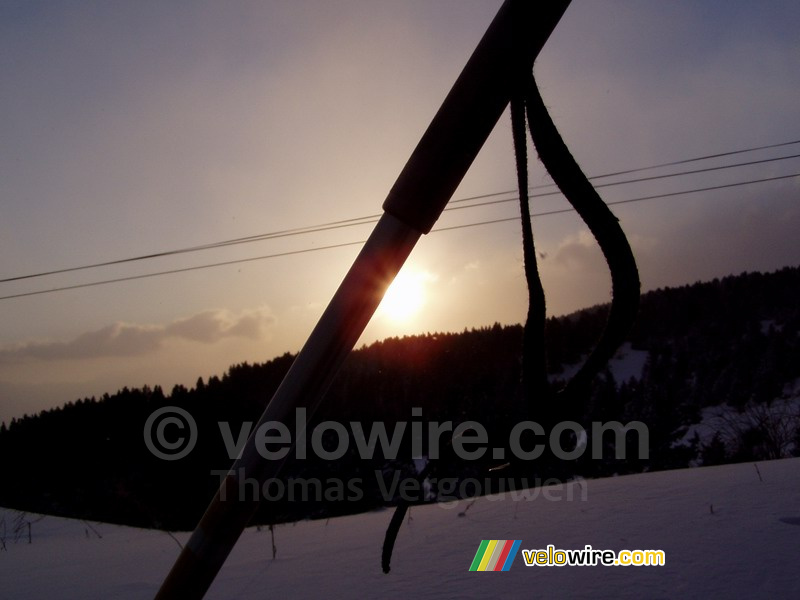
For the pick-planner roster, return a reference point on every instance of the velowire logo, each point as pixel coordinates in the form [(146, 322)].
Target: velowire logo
[(495, 555)]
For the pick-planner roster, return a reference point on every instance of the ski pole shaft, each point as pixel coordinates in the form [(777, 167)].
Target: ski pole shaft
[(436, 167)]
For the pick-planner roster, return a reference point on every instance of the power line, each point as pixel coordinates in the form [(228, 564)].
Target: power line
[(560, 211), (699, 158), (344, 244), (373, 218), (181, 270), (212, 245), (638, 180), (648, 168)]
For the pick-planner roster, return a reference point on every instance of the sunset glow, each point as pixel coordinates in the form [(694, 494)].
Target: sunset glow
[(405, 296)]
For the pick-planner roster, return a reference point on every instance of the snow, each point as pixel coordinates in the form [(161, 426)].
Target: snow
[(626, 364), (726, 533)]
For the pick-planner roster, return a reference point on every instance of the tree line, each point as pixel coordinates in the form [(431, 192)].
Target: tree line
[(733, 341)]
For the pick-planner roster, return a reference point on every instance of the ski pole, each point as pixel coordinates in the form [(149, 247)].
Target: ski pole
[(430, 177)]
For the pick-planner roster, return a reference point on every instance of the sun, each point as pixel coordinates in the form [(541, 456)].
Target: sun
[(405, 296)]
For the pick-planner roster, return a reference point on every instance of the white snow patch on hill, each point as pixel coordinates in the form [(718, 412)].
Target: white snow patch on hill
[(626, 364)]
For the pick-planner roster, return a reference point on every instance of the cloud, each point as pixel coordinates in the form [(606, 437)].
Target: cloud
[(212, 325), (127, 339), (575, 273), (579, 251)]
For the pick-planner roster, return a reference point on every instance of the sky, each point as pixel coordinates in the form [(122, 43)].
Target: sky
[(136, 128)]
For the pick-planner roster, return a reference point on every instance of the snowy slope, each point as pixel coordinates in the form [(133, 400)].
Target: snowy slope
[(628, 363), (747, 547)]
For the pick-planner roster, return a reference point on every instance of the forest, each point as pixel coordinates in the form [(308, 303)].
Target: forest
[(732, 342)]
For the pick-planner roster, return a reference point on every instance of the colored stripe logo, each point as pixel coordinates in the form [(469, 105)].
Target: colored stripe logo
[(495, 555)]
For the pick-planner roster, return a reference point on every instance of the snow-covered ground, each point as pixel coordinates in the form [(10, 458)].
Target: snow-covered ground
[(726, 533)]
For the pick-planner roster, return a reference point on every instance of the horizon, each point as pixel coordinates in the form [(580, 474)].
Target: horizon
[(362, 345), (130, 131)]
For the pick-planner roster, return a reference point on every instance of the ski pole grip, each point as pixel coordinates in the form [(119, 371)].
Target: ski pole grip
[(471, 110)]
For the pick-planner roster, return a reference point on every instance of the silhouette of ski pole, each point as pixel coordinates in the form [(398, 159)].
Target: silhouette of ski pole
[(430, 177)]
